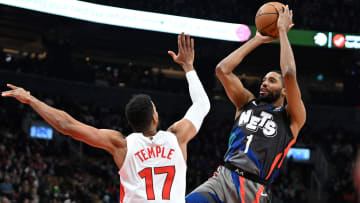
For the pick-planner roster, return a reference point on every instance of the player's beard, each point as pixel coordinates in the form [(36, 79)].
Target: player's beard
[(271, 97)]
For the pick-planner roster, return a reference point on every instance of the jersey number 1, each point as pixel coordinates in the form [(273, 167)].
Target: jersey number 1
[(248, 141), (148, 175)]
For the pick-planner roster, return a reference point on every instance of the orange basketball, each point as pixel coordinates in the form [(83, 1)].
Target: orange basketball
[(266, 19)]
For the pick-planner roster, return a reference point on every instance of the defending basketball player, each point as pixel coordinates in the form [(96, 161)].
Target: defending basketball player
[(264, 129), (152, 163)]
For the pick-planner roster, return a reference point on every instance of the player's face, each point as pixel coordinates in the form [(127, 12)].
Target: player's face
[(271, 87)]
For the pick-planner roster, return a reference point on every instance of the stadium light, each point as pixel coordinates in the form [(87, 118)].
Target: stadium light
[(136, 19)]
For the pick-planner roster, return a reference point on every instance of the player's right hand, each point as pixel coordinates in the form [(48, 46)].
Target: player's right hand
[(18, 93)]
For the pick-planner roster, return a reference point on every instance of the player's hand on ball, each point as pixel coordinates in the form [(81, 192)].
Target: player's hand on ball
[(285, 21), (18, 93), (265, 39), (186, 53)]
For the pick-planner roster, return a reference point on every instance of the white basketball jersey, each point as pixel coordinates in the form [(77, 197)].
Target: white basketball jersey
[(154, 169)]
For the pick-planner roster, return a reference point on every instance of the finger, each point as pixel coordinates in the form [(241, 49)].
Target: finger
[(179, 43), (183, 40), (192, 43), (11, 86), (279, 10), (287, 9), (172, 54), (7, 93), (291, 25), (188, 43)]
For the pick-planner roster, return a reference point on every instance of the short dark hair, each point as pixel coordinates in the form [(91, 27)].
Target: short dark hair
[(139, 111)]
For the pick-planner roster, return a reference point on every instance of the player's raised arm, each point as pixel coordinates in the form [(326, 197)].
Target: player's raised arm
[(67, 125), (187, 128), (295, 107), (235, 90)]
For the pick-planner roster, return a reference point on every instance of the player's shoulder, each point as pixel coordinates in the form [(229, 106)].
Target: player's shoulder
[(131, 135), (250, 104), (134, 136)]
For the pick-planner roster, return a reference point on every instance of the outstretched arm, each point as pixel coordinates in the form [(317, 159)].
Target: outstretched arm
[(235, 90), (187, 128), (67, 125), (295, 107)]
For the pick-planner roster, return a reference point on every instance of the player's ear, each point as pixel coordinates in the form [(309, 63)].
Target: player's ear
[(154, 115), (283, 91), (155, 118)]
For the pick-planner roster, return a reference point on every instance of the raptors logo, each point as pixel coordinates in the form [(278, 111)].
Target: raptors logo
[(253, 123)]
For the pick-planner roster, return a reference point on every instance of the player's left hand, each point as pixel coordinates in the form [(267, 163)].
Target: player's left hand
[(186, 53), (18, 93), (265, 39), (285, 20)]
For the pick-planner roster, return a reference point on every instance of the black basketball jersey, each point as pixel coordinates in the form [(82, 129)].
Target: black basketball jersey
[(260, 139)]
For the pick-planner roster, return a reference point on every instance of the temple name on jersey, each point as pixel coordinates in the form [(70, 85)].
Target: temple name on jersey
[(253, 123), (154, 152)]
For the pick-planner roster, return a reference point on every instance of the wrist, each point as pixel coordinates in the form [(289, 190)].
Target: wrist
[(282, 29), (257, 40), (32, 100), (187, 67)]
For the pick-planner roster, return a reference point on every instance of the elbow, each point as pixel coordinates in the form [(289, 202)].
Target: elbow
[(206, 105), (220, 69), (197, 113), (289, 71), (203, 107)]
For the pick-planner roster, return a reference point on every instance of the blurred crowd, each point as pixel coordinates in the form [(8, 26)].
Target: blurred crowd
[(94, 72), (340, 146), (35, 170)]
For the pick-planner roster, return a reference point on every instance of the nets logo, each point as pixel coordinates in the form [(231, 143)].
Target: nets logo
[(339, 40), (253, 123)]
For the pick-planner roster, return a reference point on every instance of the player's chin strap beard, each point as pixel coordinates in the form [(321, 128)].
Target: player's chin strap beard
[(270, 98)]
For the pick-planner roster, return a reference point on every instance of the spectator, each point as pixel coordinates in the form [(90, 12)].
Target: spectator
[(7, 188)]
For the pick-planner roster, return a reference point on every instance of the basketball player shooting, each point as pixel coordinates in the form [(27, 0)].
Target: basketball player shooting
[(264, 129), (152, 163)]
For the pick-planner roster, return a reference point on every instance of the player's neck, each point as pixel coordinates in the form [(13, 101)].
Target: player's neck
[(277, 103), (150, 132)]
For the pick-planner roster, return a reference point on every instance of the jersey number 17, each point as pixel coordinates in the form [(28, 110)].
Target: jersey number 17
[(148, 175)]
